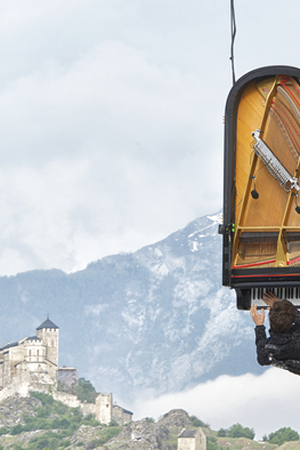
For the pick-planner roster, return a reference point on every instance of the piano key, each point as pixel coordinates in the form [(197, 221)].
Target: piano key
[(290, 293)]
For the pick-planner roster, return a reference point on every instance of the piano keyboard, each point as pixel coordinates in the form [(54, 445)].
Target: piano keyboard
[(290, 293)]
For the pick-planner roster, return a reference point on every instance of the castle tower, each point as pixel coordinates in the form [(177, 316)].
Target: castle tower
[(48, 333), (104, 408)]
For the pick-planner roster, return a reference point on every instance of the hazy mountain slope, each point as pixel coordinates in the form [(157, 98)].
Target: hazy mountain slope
[(155, 319)]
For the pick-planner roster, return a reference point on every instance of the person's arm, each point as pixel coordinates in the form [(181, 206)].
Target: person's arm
[(260, 341), (260, 336)]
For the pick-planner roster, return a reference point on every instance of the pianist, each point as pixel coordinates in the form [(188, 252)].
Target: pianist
[(284, 331)]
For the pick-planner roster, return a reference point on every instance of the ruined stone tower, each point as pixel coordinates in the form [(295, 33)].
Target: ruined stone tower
[(104, 408)]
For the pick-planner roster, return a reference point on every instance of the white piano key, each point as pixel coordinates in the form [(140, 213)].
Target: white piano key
[(291, 293)]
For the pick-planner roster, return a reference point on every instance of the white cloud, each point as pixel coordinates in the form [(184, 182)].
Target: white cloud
[(127, 100), (266, 402), (97, 164)]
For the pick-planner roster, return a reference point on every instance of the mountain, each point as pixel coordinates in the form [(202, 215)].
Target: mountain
[(155, 319)]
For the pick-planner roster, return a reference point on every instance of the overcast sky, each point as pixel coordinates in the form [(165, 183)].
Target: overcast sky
[(111, 119)]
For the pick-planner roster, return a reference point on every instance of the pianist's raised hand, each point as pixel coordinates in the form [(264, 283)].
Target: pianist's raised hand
[(269, 298)]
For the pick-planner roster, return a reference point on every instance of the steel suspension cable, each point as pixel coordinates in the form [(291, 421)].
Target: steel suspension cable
[(233, 33)]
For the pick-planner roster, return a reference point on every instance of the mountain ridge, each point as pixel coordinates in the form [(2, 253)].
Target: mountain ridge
[(155, 319)]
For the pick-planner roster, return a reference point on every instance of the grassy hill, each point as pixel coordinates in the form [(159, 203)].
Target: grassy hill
[(247, 444), (241, 443)]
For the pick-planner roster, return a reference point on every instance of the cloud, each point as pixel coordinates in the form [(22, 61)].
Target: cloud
[(111, 99), (266, 402), (95, 161), (126, 99)]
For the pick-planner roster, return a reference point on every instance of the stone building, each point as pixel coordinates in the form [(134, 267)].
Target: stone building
[(31, 364), (120, 415), (32, 359), (191, 440)]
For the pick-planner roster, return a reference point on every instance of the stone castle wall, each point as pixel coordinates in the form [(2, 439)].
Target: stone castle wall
[(102, 408)]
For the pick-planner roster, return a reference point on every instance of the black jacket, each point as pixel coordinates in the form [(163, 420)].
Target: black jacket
[(288, 343)]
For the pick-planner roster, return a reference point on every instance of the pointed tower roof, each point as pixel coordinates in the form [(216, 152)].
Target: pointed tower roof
[(47, 324)]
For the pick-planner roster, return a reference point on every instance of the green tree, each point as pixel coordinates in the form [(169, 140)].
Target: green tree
[(17, 429), (197, 422), (222, 432), (150, 419), (85, 391), (283, 435), (211, 442), (237, 431)]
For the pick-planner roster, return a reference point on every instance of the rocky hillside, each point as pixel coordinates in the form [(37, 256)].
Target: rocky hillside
[(147, 435), (39, 423)]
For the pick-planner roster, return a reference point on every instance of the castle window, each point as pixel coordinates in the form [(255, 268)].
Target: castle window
[(29, 352), (38, 352)]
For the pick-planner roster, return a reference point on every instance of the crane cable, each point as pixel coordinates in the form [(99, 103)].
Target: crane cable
[(233, 33)]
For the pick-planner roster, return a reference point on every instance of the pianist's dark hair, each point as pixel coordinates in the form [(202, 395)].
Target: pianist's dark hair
[(282, 316)]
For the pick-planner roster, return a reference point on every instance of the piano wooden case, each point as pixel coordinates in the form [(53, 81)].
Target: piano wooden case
[(261, 229)]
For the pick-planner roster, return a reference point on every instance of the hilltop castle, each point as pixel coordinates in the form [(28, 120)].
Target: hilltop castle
[(32, 359), (31, 364)]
